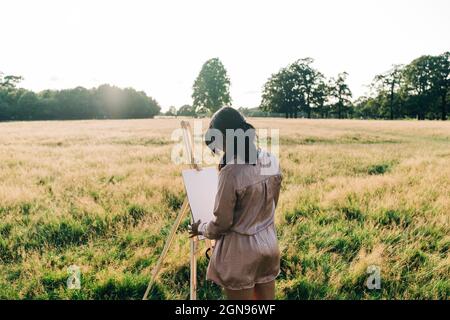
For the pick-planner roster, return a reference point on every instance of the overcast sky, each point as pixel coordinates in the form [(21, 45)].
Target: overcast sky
[(160, 46)]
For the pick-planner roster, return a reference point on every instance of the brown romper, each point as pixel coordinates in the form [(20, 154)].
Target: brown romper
[(246, 250)]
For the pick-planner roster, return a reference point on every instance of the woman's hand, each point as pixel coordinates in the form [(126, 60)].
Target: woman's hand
[(193, 229)]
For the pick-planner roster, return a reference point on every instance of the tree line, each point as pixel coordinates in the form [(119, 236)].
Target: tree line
[(417, 90), (210, 91), (103, 102)]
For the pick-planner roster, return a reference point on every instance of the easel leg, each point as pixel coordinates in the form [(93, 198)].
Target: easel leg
[(193, 274), (183, 211)]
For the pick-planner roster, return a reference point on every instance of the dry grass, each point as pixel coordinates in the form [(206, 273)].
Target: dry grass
[(103, 194)]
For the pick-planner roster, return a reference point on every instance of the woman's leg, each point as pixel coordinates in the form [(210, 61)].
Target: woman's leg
[(265, 291), (244, 294)]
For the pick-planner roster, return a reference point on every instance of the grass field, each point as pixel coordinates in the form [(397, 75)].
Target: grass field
[(102, 195)]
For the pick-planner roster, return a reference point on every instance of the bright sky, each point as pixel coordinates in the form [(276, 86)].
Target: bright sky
[(159, 46)]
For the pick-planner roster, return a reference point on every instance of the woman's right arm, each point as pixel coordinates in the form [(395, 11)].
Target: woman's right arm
[(224, 207)]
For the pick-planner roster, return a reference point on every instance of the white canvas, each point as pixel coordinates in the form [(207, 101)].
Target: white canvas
[(201, 189)]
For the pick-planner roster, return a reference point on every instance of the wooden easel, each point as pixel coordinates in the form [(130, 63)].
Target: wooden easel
[(188, 143)]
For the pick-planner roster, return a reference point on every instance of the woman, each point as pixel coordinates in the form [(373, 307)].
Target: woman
[(246, 258)]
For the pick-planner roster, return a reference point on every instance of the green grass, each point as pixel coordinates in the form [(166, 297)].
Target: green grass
[(103, 195)]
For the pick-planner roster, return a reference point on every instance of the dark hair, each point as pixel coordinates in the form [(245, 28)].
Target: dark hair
[(228, 118)]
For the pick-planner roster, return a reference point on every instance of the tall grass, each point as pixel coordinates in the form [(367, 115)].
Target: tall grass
[(102, 195)]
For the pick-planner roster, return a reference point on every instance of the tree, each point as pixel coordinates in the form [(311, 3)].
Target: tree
[(293, 89), (320, 98), (426, 86), (278, 94), (104, 102), (307, 84), (27, 106), (341, 93), (172, 111), (418, 85), (368, 107), (5, 111), (9, 96), (186, 111), (211, 89), (389, 83), (441, 80), (115, 103), (10, 81)]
